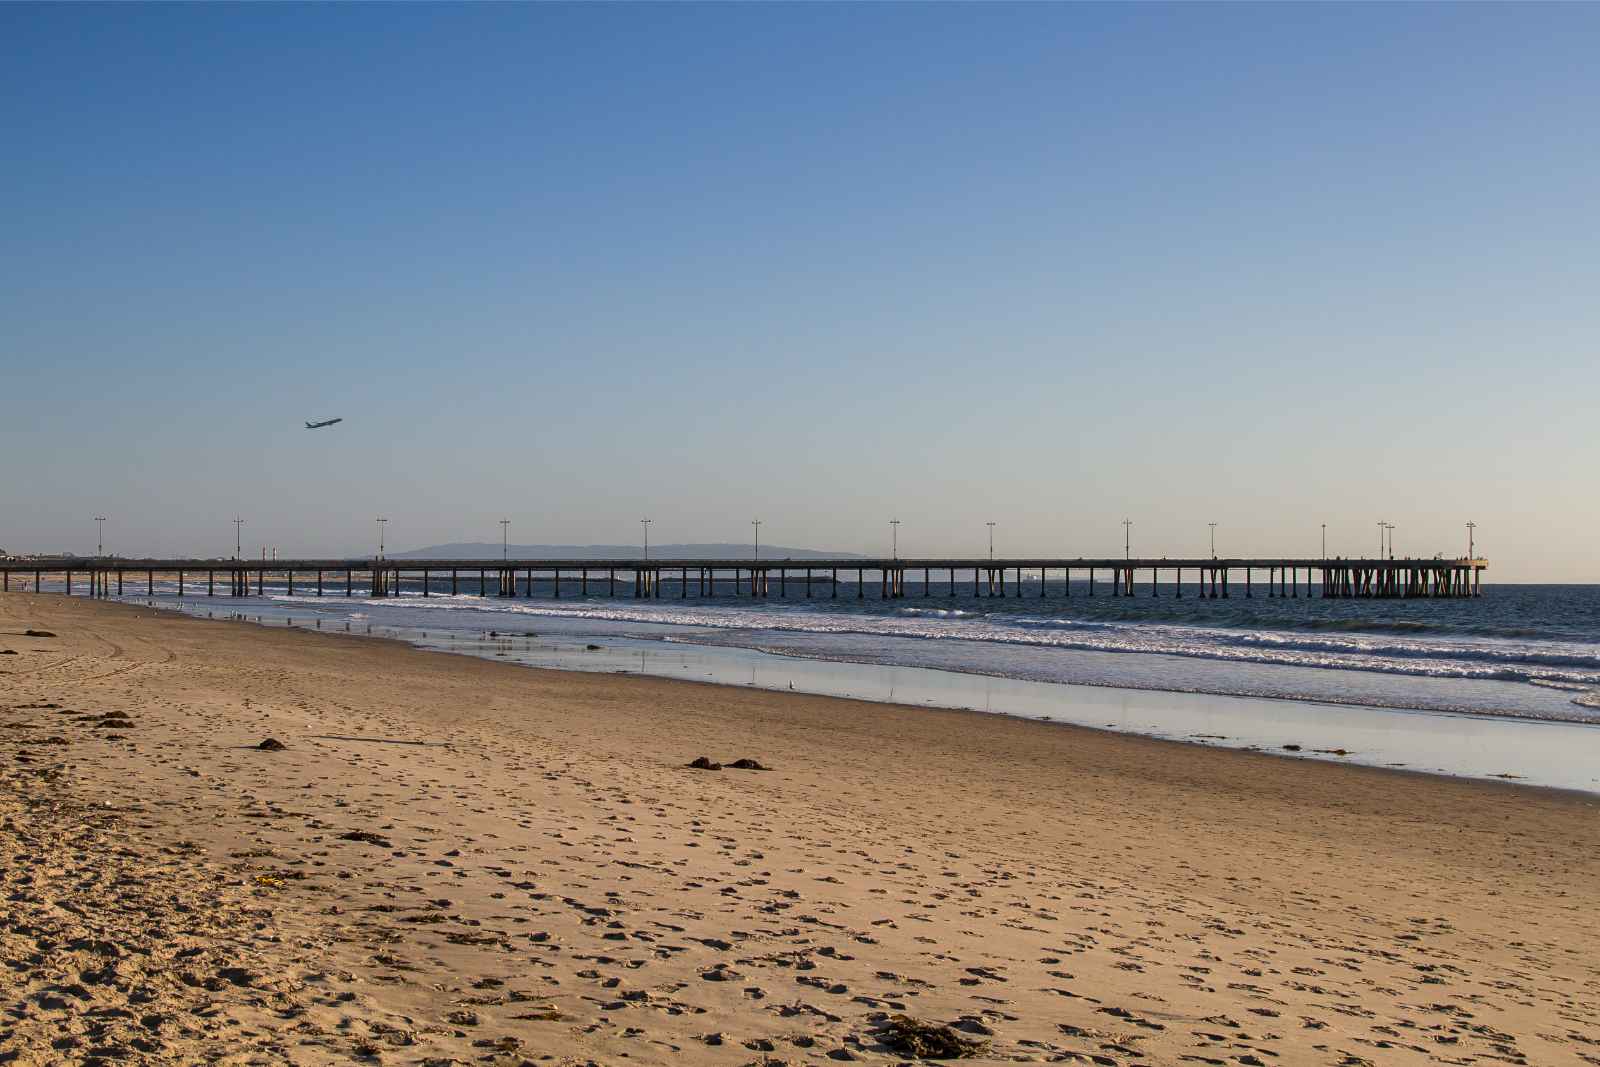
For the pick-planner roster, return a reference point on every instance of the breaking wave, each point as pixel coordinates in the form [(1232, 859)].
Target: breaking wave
[(1548, 663)]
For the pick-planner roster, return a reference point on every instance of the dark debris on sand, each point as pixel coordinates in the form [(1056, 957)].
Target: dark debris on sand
[(928, 1041), (706, 763), (272, 744)]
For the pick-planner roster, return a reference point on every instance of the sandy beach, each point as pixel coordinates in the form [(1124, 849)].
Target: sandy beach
[(453, 860)]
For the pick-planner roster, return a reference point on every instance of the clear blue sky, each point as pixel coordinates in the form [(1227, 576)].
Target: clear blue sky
[(1268, 266)]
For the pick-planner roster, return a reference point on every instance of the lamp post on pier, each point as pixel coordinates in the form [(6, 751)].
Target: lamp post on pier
[(100, 546), (1471, 526), (991, 540), (381, 523), (238, 550), (894, 544), (645, 524), (1127, 536), (505, 545), (1381, 527), (1213, 539), (1324, 540), (757, 524), (1390, 527)]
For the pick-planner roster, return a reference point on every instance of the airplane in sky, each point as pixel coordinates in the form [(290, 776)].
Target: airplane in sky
[(320, 425)]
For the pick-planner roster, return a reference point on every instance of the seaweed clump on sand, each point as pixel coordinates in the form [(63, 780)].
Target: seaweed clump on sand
[(929, 1041)]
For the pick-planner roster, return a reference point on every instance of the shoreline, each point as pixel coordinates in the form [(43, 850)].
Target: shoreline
[(976, 715), (972, 715), (1166, 665), (1254, 722), (549, 877)]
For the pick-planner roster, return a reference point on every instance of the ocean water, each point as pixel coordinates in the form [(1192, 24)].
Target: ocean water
[(1517, 654)]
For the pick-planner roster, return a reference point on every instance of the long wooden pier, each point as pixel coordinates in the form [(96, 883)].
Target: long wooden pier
[(887, 579)]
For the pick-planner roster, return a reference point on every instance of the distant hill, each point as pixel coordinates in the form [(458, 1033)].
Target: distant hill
[(486, 550)]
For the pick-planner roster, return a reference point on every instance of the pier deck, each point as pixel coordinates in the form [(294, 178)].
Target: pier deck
[(705, 578)]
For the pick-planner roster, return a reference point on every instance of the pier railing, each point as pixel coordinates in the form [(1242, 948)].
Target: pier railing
[(707, 578)]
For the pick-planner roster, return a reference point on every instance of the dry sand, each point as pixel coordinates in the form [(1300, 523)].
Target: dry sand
[(543, 879)]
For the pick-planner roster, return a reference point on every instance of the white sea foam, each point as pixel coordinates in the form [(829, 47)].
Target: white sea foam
[(1571, 687), (1547, 663)]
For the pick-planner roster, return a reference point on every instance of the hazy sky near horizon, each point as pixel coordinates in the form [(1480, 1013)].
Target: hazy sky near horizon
[(826, 265)]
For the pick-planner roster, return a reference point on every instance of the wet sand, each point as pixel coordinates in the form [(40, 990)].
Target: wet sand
[(456, 860)]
